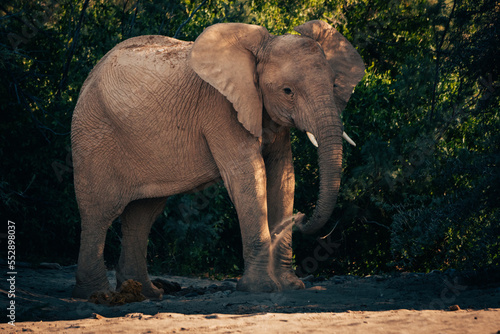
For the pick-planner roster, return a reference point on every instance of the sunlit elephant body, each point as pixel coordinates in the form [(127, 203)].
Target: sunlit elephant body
[(158, 117)]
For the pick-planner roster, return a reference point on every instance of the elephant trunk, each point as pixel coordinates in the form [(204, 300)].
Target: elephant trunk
[(329, 139)]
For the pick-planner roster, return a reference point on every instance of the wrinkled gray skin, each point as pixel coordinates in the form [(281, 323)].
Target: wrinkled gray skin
[(159, 116)]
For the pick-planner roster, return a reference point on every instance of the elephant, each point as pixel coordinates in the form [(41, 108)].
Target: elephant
[(158, 116)]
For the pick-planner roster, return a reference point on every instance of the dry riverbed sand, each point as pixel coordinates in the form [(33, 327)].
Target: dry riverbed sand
[(437, 302)]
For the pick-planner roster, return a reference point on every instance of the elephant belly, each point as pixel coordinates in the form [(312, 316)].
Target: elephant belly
[(182, 167)]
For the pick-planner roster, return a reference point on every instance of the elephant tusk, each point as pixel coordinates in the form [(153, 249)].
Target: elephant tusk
[(346, 137), (312, 139), (315, 142)]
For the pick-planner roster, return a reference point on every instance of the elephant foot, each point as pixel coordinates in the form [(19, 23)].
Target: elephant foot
[(257, 283), (150, 291), (84, 291), (290, 281)]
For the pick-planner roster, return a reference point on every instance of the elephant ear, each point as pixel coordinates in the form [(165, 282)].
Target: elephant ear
[(224, 55), (345, 61)]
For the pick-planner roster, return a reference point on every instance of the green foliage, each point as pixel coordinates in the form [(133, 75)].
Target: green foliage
[(430, 152), (197, 234), (419, 192)]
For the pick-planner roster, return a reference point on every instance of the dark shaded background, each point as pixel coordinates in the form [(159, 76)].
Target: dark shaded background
[(419, 192)]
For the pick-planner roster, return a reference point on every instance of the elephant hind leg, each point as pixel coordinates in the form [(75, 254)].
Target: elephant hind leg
[(137, 219), (91, 273)]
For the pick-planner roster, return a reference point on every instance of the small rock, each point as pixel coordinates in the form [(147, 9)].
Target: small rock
[(338, 280), (191, 294), (450, 273), (48, 265), (97, 316), (218, 294), (228, 285), (309, 278), (136, 315), (167, 286), (212, 316), (71, 267), (454, 308)]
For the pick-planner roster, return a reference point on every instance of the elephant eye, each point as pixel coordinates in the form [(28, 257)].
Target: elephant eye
[(287, 91)]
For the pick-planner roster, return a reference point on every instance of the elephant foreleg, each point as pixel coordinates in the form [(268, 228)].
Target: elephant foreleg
[(243, 171), (137, 220), (249, 198), (280, 192)]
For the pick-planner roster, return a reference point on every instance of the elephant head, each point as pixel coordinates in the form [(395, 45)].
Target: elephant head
[(299, 81)]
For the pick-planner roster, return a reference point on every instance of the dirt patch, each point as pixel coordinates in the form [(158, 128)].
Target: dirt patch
[(403, 302), (129, 292)]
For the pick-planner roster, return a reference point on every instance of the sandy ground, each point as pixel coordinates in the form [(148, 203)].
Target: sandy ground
[(402, 303)]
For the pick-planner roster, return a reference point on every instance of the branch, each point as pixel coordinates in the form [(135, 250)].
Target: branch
[(376, 223), (123, 17), (133, 18), (188, 19), (438, 56), (382, 41), (76, 36)]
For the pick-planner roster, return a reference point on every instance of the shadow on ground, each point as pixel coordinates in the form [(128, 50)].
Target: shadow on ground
[(45, 294)]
